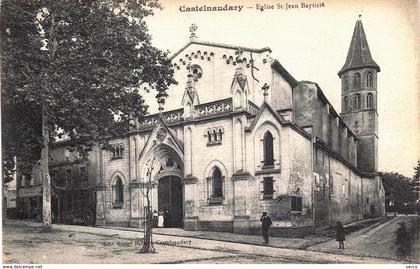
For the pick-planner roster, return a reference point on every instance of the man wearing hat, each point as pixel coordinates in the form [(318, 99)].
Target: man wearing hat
[(265, 225)]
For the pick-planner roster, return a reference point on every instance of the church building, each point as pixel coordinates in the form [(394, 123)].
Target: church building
[(238, 136)]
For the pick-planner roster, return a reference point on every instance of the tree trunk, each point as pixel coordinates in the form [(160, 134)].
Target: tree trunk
[(58, 209), (4, 204), (46, 180)]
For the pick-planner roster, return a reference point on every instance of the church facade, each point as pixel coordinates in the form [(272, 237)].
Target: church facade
[(239, 136)]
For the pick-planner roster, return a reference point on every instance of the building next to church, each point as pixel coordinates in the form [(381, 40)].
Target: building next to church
[(73, 186), (239, 135)]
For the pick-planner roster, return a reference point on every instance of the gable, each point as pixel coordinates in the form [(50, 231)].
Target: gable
[(162, 134), (266, 112)]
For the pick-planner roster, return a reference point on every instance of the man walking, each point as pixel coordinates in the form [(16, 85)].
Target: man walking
[(265, 226)]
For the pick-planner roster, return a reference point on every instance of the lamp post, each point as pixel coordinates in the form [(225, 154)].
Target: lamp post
[(148, 226)]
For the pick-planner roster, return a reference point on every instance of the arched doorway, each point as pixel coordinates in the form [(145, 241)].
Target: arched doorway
[(170, 200)]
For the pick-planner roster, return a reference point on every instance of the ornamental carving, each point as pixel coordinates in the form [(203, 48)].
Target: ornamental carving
[(161, 134), (215, 108), (190, 180), (170, 117)]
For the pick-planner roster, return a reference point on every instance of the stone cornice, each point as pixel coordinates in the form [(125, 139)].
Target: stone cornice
[(238, 176), (100, 187), (137, 185), (190, 179), (267, 171)]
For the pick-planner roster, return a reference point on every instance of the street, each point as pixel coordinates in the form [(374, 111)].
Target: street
[(394, 240)]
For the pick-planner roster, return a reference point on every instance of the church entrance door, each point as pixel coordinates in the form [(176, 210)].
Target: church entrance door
[(170, 201)]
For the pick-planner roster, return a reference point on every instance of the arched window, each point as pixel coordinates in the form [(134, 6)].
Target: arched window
[(268, 149), (356, 81), (217, 183), (346, 83), (357, 101), (346, 104), (117, 151), (369, 100), (369, 79), (214, 136), (118, 191)]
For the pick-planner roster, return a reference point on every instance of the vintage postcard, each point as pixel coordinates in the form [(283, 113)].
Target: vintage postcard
[(210, 132)]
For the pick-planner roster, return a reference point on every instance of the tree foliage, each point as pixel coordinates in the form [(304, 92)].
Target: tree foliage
[(83, 61), (416, 176), (397, 188)]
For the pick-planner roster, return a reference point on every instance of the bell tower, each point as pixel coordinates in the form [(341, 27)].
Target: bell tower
[(359, 98)]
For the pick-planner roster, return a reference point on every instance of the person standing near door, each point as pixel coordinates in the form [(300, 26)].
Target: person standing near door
[(155, 218), (166, 218), (160, 219)]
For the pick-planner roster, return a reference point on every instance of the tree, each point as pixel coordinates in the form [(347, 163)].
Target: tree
[(416, 176), (415, 184), (398, 189), (73, 69)]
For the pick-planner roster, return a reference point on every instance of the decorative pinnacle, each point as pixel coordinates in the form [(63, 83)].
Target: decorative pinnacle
[(161, 102), (265, 90), (239, 52), (193, 28)]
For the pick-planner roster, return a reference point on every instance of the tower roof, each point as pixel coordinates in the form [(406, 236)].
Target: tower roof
[(358, 55)]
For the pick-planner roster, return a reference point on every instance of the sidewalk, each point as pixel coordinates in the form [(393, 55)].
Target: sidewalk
[(294, 255), (280, 242)]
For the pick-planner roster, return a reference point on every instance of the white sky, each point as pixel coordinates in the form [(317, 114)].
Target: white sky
[(312, 45)]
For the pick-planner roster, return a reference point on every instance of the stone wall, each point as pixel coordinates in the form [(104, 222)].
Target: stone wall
[(337, 189), (113, 167), (312, 109), (373, 197)]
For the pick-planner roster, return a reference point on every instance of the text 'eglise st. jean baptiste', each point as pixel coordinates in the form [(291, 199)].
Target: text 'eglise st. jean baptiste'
[(259, 7)]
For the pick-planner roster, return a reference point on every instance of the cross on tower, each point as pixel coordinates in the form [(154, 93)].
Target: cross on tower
[(193, 28)]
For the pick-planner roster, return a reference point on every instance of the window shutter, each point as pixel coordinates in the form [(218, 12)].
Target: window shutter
[(316, 178), (261, 189), (274, 188)]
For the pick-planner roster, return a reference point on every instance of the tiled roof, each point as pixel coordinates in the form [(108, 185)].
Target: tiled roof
[(358, 55)]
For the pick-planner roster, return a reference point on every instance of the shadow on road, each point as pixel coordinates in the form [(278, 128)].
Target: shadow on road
[(404, 240)]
